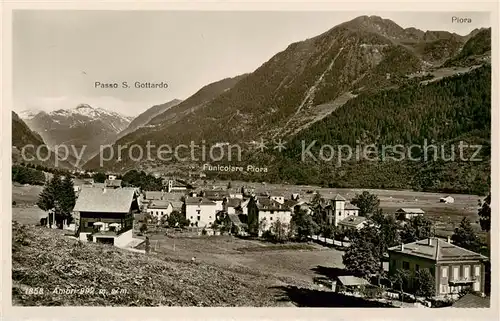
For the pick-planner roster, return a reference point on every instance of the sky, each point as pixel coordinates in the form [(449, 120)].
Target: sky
[(59, 55)]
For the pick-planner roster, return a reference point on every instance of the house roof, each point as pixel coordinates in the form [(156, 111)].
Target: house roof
[(290, 203), (198, 201), (113, 182), (338, 197), (471, 300), (350, 280), (235, 219), (408, 210), (352, 221), (160, 204), (265, 203), (153, 195), (104, 200), (349, 206), (177, 204), (233, 202), (215, 195), (437, 250)]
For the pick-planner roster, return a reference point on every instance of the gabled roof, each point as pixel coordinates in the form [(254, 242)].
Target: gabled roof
[(338, 197), (233, 202), (104, 200), (349, 206), (290, 203), (113, 182), (437, 250), (408, 210), (159, 204), (154, 195), (198, 201), (352, 221), (265, 203), (471, 300), (215, 195), (350, 280)]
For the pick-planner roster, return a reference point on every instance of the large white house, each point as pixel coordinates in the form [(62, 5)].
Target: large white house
[(338, 209), (159, 208), (264, 211), (217, 197), (200, 211)]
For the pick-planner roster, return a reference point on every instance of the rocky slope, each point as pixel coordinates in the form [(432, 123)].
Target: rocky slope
[(147, 116), (22, 137)]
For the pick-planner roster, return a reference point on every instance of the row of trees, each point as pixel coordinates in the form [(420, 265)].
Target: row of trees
[(27, 175), (58, 198)]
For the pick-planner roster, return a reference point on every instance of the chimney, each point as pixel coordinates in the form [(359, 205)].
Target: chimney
[(429, 241), (449, 239), (104, 190), (402, 246)]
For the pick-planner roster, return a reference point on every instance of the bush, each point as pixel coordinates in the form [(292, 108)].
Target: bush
[(371, 291)]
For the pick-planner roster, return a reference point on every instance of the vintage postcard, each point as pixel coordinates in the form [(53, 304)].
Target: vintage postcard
[(181, 155)]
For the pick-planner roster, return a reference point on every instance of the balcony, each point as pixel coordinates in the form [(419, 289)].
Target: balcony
[(105, 230), (463, 281)]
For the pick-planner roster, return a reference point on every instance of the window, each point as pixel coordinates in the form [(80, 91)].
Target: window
[(477, 270), (467, 271), (199, 217), (444, 272), (210, 217), (456, 272), (406, 265), (198, 212), (161, 212), (272, 212), (191, 217), (270, 218), (90, 224), (340, 213)]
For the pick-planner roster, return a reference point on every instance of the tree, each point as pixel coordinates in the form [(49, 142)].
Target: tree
[(303, 225), (176, 218), (99, 177), (58, 196), (465, 237), (424, 283), (400, 278), (368, 203), (279, 231), (328, 231), (485, 214), (143, 228), (389, 232), (360, 258), (67, 198), (417, 228)]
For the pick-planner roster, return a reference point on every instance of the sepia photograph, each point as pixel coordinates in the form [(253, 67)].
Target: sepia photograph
[(312, 159)]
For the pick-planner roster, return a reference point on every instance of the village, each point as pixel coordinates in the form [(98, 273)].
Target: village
[(205, 223)]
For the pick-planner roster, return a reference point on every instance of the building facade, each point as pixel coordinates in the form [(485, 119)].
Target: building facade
[(106, 215), (454, 268), (264, 211), (200, 212)]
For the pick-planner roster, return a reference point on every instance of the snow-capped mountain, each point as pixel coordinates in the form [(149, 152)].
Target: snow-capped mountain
[(81, 126)]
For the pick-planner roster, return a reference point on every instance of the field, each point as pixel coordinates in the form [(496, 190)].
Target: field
[(297, 262), (25, 211), (227, 272)]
